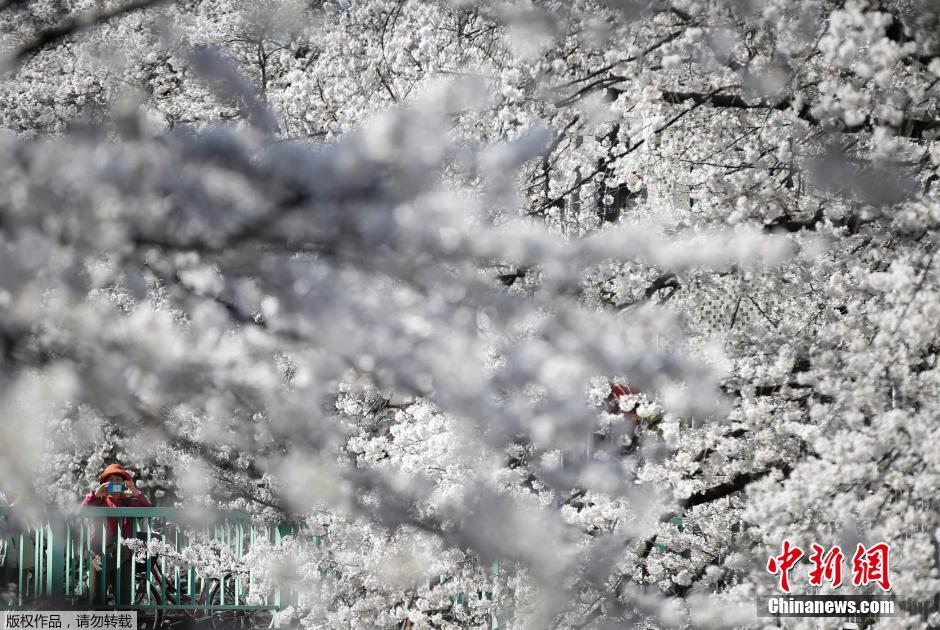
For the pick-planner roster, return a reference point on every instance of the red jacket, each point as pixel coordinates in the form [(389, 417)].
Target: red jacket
[(126, 522)]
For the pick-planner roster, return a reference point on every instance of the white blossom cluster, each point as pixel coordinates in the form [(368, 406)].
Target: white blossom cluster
[(439, 278)]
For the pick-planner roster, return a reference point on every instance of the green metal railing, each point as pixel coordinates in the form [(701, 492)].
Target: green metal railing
[(52, 559)]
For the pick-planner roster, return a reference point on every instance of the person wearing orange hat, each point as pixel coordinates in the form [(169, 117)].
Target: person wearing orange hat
[(129, 497)]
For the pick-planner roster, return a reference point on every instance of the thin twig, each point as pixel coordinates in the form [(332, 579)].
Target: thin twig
[(761, 311), (734, 316)]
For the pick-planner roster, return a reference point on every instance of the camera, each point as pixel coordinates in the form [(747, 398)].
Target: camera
[(117, 487)]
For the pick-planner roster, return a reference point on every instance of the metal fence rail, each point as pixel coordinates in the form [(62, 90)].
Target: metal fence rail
[(52, 559)]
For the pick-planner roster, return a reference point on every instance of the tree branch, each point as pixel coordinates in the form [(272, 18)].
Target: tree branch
[(736, 484), (71, 25), (909, 127)]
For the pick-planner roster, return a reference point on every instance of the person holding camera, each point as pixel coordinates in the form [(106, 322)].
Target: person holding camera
[(116, 489)]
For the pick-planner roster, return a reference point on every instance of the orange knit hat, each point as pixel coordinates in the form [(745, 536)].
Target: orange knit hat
[(113, 469)]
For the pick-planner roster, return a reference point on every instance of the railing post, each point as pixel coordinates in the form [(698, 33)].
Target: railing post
[(81, 558), (176, 570), (135, 529), (56, 583), (37, 561), (277, 545), (21, 585), (103, 577), (117, 564), (68, 559)]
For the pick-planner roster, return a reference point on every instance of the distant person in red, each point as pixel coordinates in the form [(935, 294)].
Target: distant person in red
[(130, 496), (629, 428), (613, 401)]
